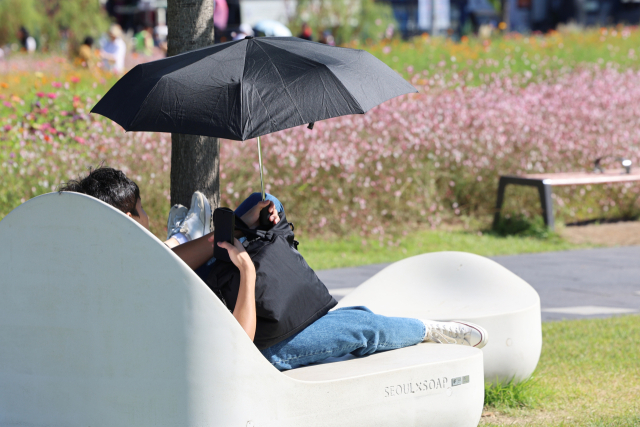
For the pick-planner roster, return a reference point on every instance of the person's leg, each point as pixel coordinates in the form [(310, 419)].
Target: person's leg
[(354, 330)]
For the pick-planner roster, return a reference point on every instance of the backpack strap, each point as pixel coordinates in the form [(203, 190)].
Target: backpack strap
[(252, 232)]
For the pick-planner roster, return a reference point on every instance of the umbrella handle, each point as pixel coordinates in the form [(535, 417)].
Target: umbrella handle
[(264, 213), (260, 163)]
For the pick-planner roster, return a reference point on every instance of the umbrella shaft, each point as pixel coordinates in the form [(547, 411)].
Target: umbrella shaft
[(260, 162)]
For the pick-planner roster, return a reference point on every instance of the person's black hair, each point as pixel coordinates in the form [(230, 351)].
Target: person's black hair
[(88, 41), (109, 185)]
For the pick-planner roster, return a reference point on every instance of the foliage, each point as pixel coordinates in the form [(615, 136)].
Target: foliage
[(416, 161), (365, 20), (17, 13), (535, 58), (52, 22), (511, 395), (426, 157), (80, 17), (519, 225)]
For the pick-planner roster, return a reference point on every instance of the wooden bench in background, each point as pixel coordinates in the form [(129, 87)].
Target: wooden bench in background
[(544, 181)]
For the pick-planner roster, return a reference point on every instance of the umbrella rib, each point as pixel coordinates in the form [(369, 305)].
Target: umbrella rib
[(140, 108), (283, 85), (321, 65), (231, 44)]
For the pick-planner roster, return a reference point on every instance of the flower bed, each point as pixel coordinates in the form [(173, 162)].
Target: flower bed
[(416, 160), (438, 154)]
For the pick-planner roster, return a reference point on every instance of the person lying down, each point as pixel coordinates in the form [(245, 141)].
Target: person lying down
[(330, 333)]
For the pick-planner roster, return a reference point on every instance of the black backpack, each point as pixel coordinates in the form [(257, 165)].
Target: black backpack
[(289, 294)]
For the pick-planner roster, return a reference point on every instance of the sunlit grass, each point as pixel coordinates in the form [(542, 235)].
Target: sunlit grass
[(522, 394), (588, 375), (476, 60), (336, 252)]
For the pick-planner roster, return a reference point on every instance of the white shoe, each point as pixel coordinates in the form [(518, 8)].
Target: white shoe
[(198, 220), (177, 215), (455, 332)]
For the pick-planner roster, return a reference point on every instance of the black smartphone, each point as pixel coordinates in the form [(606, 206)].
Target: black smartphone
[(224, 223)]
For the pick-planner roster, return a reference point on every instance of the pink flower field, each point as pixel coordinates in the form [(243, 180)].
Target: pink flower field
[(414, 161)]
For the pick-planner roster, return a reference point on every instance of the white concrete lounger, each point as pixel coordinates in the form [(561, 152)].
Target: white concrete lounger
[(102, 325), (463, 286)]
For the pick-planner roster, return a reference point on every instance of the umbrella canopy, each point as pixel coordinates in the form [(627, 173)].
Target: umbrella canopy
[(247, 88)]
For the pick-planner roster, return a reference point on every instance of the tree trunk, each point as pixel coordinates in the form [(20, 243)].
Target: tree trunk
[(195, 161)]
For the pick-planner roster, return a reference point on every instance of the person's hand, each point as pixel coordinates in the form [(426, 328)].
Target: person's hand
[(252, 218), (237, 253)]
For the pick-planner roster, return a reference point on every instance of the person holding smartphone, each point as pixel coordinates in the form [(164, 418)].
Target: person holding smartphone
[(348, 330)]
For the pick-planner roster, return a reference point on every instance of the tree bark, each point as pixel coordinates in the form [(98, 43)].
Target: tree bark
[(195, 164)]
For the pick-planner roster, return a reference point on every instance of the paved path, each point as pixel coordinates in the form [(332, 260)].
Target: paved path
[(571, 284)]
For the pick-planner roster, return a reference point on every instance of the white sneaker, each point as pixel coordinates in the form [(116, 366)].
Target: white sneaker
[(455, 332), (198, 220), (177, 215)]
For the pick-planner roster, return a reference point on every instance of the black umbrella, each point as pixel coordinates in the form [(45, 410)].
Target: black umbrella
[(247, 88)]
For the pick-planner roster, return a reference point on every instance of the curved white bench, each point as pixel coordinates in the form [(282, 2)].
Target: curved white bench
[(463, 286), (102, 325)]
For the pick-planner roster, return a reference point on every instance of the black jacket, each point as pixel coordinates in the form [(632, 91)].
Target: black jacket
[(289, 294)]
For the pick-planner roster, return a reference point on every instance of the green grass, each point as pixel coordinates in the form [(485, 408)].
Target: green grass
[(474, 60), (588, 375), (512, 395), (336, 252)]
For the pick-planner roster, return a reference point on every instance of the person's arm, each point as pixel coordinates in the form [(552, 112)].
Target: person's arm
[(245, 309), (252, 217), (196, 252)]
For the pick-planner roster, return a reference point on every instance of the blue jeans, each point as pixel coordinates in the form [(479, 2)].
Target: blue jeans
[(349, 330)]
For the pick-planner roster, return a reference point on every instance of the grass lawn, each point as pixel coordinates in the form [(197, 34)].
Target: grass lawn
[(475, 59), (588, 375), (337, 252)]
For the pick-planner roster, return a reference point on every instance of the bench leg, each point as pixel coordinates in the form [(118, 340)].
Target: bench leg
[(547, 205), (501, 186)]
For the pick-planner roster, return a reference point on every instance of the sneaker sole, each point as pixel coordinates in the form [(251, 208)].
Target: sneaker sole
[(484, 336), (173, 212), (207, 211)]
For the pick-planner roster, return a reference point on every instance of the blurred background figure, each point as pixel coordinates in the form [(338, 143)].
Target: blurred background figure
[(327, 38), (160, 33), (27, 42), (85, 53), (220, 18), (244, 30), (114, 51), (305, 31), (270, 28), (143, 40)]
